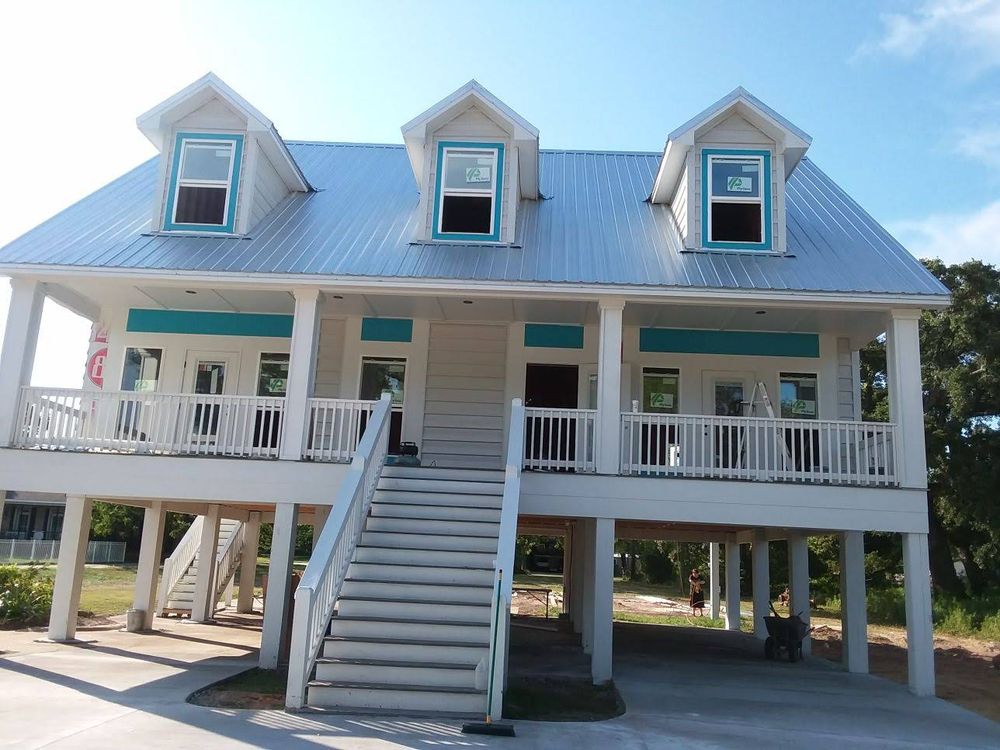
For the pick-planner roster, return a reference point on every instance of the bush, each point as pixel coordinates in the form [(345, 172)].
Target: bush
[(25, 596)]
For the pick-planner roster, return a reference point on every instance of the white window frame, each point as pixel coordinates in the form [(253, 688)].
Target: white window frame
[(446, 191), (180, 181), (759, 199)]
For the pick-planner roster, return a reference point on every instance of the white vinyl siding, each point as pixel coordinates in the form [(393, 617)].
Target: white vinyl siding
[(845, 381), (679, 205), (268, 189), (329, 358), (464, 407)]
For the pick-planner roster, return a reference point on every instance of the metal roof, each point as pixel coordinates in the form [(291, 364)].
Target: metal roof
[(594, 226)]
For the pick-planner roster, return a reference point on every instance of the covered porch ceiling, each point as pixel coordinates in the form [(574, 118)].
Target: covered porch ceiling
[(860, 324)]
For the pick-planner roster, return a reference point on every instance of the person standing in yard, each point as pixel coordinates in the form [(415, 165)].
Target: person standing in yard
[(697, 593)]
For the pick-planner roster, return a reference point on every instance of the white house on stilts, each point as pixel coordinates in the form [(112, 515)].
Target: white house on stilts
[(601, 345)]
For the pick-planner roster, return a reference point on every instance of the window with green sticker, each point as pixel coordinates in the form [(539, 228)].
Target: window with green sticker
[(660, 390)]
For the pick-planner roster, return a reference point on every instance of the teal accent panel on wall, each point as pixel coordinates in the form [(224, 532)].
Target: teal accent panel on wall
[(752, 343), (208, 323), (387, 329), (553, 336)]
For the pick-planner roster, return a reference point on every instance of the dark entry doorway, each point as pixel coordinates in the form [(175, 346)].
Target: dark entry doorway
[(551, 437)]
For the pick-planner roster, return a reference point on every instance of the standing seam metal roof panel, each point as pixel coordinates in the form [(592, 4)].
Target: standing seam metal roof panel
[(594, 226)]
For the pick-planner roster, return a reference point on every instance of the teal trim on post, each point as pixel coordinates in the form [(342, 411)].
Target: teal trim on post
[(706, 199), (208, 323), (234, 182), (553, 336), (387, 329), (750, 343), (497, 194)]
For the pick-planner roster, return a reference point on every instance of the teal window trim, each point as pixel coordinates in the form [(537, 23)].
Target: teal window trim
[(494, 236), (746, 343), (208, 323), (550, 336), (767, 219), (397, 330), (169, 224)]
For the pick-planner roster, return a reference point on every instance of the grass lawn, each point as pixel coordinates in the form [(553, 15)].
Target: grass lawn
[(107, 589)]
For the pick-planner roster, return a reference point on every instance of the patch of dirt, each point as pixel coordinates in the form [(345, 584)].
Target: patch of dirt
[(643, 604), (965, 667), (217, 697)]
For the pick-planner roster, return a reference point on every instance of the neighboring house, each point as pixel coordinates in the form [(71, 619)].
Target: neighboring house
[(32, 515), (595, 345)]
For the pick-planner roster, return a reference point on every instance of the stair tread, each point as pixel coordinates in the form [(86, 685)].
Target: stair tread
[(423, 567), (403, 641), (394, 600), (408, 621), (421, 583), (433, 520), (395, 663), (391, 686), (423, 549), (432, 533)]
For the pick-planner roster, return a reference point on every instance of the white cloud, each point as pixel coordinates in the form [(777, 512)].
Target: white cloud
[(971, 28), (953, 237), (981, 144)]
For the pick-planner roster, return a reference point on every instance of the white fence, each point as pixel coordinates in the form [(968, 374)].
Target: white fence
[(319, 588), (335, 427), (16, 550), (759, 449), (560, 439), (156, 423)]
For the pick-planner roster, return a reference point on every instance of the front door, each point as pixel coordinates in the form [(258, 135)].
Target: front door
[(551, 439), (209, 374), (385, 375), (727, 397)]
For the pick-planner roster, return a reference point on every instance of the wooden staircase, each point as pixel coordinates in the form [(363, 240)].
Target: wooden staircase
[(178, 598)]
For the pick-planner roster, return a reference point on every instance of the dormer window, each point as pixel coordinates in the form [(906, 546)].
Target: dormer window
[(737, 205), (467, 197), (203, 182)]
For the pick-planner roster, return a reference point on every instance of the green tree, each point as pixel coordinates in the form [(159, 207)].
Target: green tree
[(960, 350)]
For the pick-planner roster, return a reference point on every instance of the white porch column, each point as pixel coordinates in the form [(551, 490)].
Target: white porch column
[(906, 408), (714, 584), (587, 628), (603, 600), (277, 603), (148, 572), (69, 569), (203, 604), (320, 514), (798, 574), (576, 580), (248, 563), (853, 603), (567, 571), (732, 586), (761, 568), (609, 386), (301, 373), (919, 628), (19, 343)]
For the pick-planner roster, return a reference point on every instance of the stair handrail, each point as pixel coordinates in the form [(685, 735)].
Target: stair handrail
[(176, 565), (319, 589), (504, 565), (228, 558)]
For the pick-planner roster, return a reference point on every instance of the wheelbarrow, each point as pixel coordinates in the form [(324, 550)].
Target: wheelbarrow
[(785, 634)]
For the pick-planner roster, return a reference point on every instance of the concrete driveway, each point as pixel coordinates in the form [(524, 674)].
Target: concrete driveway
[(683, 689)]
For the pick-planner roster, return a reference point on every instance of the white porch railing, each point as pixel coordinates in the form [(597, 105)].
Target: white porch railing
[(319, 588), (176, 565), (335, 427), (759, 449), (560, 439), (157, 423), (228, 559), (496, 666)]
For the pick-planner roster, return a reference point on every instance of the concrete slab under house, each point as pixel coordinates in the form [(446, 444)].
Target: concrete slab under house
[(423, 349)]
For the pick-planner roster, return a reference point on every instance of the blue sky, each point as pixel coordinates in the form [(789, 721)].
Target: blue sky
[(902, 99)]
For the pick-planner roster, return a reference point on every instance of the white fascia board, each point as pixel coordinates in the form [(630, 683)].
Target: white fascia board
[(74, 302), (469, 287)]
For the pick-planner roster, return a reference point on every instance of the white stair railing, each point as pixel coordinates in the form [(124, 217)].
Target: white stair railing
[(496, 666), (175, 566), (319, 589), (228, 559)]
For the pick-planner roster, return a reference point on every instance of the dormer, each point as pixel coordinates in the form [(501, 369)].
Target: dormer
[(474, 159), (723, 174), (223, 166)]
